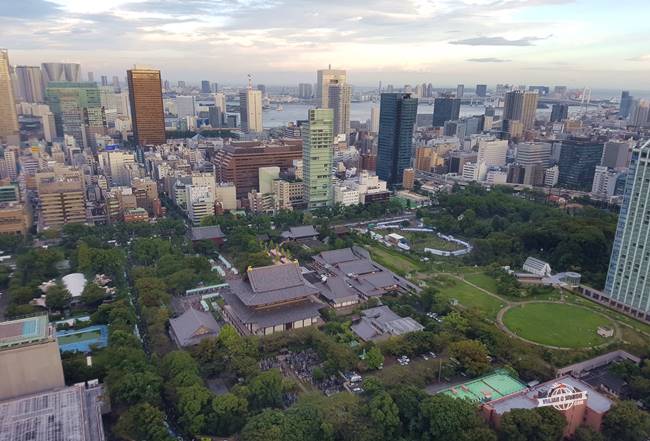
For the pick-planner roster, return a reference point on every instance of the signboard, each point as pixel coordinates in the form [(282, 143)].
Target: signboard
[(562, 397)]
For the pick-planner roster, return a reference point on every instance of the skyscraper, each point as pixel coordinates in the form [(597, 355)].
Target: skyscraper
[(8, 115), (317, 136), (77, 110), (559, 112), (185, 106), (626, 102), (91, 76), (374, 119), (59, 72), (145, 98), (339, 98), (104, 80), (445, 109), (577, 164), (30, 84), (305, 91), (481, 90), (629, 267), (396, 122), (250, 109), (205, 86), (520, 106), (324, 77), (460, 90)]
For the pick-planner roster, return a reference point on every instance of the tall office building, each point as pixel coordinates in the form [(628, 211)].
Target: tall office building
[(205, 86), (59, 72), (626, 102), (577, 164), (396, 122), (339, 98), (445, 109), (250, 109), (77, 110), (520, 106), (481, 90), (30, 84), (616, 155), (323, 79), (91, 76), (305, 91), (534, 153), (8, 116), (374, 119), (629, 267), (147, 113), (460, 91), (185, 106), (559, 112), (104, 80), (317, 137)]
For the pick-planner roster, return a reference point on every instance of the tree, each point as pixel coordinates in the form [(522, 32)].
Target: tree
[(587, 434), (143, 422), (92, 295), (443, 418), (374, 358), (58, 298), (266, 390), (266, 426), (192, 405), (228, 416), (472, 356), (541, 424), (455, 323), (384, 414), (408, 398), (134, 387), (626, 422)]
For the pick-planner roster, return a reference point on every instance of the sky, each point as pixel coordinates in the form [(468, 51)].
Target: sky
[(592, 43)]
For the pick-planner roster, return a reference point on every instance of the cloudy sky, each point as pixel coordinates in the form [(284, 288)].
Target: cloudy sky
[(596, 43)]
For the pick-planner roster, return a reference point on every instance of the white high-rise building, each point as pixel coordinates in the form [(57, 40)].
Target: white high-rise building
[(551, 176), (492, 153), (340, 95), (199, 200), (323, 78), (627, 284), (220, 101), (604, 181), (250, 110), (374, 119), (185, 106), (116, 165)]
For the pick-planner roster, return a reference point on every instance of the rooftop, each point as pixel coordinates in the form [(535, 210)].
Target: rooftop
[(487, 388), (207, 233), (381, 322), (192, 326), (24, 331), (300, 232), (74, 283), (67, 414)]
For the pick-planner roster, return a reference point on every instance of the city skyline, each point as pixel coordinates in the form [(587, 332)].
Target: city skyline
[(284, 42)]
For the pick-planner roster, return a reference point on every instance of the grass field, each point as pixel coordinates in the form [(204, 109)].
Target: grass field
[(469, 297), (76, 338), (483, 280), (419, 241), (561, 325), (393, 260)]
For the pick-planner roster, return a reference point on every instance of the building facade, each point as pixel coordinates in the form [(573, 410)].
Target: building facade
[(445, 109), (8, 115), (317, 158), (396, 123), (147, 112), (627, 284), (250, 110), (323, 78)]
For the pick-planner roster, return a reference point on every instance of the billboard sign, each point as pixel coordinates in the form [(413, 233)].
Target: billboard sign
[(562, 397)]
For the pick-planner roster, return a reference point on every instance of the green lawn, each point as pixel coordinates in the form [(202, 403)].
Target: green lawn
[(470, 297), (419, 241), (483, 280), (393, 260), (561, 325), (76, 338)]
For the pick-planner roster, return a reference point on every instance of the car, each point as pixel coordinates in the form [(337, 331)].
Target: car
[(425, 356), (432, 354)]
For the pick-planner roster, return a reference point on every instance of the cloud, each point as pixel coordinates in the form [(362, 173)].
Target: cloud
[(28, 9), (498, 41), (642, 58), (488, 60)]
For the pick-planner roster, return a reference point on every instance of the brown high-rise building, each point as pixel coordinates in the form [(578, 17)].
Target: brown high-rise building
[(239, 162), (8, 115), (147, 114)]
